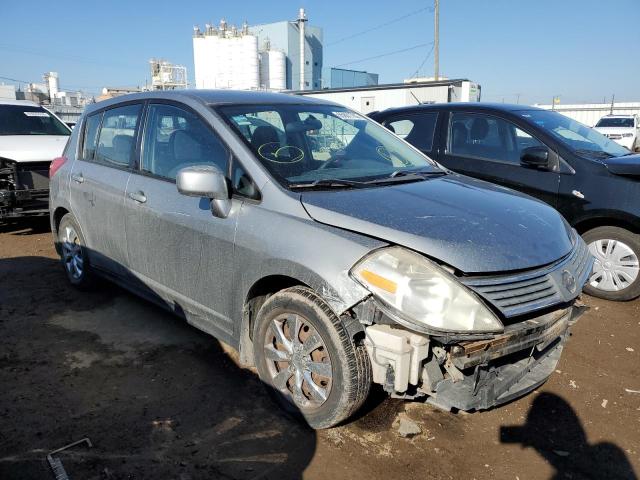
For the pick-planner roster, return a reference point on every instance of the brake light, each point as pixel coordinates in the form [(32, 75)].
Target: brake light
[(55, 165)]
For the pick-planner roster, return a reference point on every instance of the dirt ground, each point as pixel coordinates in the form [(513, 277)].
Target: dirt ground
[(159, 399)]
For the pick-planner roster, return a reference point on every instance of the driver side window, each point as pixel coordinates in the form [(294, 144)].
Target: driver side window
[(175, 138)]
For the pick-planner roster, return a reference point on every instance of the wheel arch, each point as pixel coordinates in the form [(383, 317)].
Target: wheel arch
[(56, 218), (257, 294), (621, 221)]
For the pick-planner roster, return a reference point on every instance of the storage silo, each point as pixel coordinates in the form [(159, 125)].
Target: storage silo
[(277, 70), (251, 78), (237, 63), (199, 59), (273, 70)]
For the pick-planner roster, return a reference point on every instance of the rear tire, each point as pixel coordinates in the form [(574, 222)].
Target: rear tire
[(334, 373), (73, 254), (616, 272)]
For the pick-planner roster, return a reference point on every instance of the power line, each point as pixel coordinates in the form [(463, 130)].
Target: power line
[(415, 74), (13, 80), (385, 54), (377, 27), (72, 58)]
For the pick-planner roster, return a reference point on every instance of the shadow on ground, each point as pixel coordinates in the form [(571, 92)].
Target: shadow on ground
[(554, 430), (25, 226), (158, 398)]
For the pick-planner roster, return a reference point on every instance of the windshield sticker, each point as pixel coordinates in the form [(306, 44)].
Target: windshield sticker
[(344, 115), (275, 153), (36, 114)]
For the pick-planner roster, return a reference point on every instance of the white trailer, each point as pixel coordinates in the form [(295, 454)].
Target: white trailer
[(590, 113), (380, 97)]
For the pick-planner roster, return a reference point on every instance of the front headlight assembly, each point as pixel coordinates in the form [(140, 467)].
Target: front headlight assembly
[(422, 295)]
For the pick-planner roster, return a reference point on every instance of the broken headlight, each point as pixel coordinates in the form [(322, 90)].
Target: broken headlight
[(421, 294)]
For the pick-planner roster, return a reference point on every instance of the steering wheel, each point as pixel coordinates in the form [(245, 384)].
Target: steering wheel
[(339, 156)]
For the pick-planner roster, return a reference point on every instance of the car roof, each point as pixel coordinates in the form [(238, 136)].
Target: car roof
[(26, 103), (487, 106), (215, 97)]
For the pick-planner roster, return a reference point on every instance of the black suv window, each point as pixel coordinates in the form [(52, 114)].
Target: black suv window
[(116, 140), (488, 137), (175, 138), (415, 128)]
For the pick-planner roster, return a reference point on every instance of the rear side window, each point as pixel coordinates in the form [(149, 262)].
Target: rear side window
[(117, 135), (91, 129), (29, 120), (415, 128)]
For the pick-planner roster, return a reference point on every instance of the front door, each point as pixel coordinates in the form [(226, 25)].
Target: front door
[(489, 147), (177, 248), (99, 179)]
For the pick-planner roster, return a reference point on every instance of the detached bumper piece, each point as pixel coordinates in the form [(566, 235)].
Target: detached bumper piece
[(474, 374)]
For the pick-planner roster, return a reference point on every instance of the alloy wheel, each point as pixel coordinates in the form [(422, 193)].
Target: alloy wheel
[(298, 361), (72, 252), (616, 265)]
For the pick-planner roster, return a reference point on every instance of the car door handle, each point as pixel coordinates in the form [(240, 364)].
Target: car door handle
[(139, 197), (77, 177)]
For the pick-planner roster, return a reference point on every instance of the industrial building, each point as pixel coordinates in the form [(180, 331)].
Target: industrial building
[(380, 97), (167, 76), (67, 104), (277, 56), (344, 78)]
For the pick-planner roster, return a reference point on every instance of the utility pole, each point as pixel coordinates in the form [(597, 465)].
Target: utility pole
[(436, 40), (613, 99)]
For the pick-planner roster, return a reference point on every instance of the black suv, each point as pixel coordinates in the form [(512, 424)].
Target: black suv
[(591, 180)]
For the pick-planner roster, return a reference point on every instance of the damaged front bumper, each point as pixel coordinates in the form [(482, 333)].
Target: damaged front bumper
[(470, 374), (24, 189)]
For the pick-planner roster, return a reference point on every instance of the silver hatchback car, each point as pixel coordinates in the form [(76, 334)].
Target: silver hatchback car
[(328, 251)]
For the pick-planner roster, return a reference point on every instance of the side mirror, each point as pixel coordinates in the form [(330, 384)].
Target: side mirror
[(535, 157), (206, 181)]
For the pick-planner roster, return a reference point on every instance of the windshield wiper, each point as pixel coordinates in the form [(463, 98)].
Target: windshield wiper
[(329, 183), (400, 176)]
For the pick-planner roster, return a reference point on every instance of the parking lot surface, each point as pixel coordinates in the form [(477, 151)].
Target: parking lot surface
[(160, 399)]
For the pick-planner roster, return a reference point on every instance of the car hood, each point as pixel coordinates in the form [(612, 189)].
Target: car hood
[(471, 225), (32, 148), (627, 165)]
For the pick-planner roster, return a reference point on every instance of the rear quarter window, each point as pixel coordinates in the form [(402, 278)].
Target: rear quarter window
[(90, 142)]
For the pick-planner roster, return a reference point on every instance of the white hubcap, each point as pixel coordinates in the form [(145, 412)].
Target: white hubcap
[(616, 266)]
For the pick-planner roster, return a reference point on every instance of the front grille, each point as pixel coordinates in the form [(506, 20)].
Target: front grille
[(524, 292)]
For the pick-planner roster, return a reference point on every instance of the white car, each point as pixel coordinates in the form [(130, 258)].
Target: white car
[(30, 138), (622, 129)]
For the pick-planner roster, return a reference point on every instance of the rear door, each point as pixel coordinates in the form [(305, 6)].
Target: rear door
[(98, 183), (177, 248), (489, 147)]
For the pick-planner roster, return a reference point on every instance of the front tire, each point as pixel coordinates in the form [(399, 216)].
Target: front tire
[(616, 271), (307, 360), (73, 254)]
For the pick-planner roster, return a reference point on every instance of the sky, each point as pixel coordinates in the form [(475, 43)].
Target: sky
[(525, 51)]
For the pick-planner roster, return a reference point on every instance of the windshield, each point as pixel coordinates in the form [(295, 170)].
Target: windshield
[(29, 120), (619, 122), (576, 136), (303, 144)]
